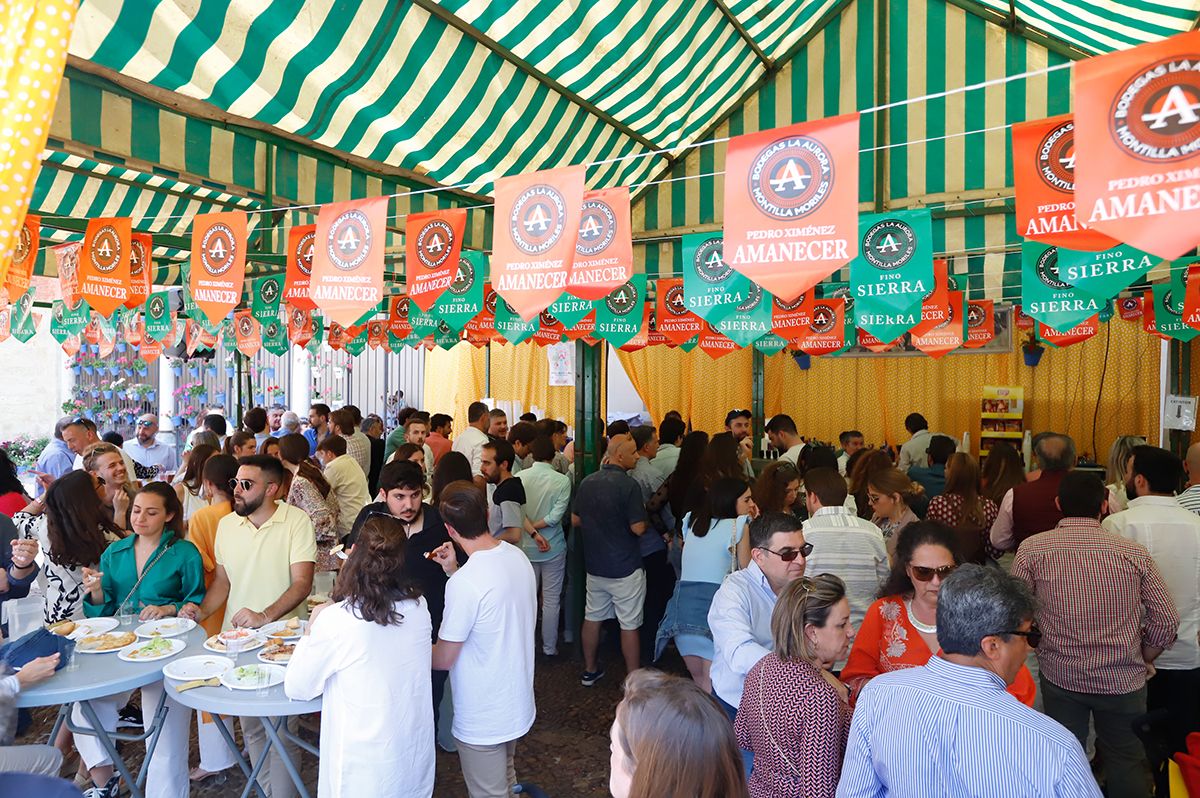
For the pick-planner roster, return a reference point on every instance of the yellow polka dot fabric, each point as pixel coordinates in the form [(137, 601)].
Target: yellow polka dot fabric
[(34, 37)]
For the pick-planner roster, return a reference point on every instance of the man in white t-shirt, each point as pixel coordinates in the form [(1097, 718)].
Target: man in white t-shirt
[(470, 441), (488, 623)]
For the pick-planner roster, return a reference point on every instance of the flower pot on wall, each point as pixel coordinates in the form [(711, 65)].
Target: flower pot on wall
[(1033, 356)]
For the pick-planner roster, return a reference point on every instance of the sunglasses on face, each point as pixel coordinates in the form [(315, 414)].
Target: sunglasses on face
[(246, 484), (1033, 636), (789, 554), (923, 574), (145, 423)]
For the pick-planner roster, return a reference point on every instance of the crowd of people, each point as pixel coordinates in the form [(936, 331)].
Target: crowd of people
[(853, 620)]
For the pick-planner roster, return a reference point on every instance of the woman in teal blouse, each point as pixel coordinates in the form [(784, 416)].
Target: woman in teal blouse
[(156, 571)]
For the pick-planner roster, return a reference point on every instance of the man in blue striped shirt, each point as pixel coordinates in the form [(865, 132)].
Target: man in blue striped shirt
[(949, 728)]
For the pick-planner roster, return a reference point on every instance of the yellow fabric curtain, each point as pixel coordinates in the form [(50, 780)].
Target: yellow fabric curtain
[(874, 394), (34, 37)]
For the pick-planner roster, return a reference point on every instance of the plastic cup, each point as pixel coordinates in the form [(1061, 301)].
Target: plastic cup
[(127, 614), (69, 660), (233, 648), (262, 683)]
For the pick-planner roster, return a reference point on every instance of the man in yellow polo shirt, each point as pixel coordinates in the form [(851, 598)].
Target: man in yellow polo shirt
[(265, 552)]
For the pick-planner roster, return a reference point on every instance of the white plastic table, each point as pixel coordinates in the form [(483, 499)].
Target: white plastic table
[(100, 676), (274, 709)]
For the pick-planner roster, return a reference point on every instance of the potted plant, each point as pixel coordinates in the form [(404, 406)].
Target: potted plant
[(275, 393), (1032, 350), (177, 367)]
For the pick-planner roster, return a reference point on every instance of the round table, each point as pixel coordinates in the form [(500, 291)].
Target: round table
[(99, 676), (274, 708)]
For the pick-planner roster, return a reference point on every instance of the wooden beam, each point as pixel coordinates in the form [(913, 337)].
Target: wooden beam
[(477, 36), (763, 58)]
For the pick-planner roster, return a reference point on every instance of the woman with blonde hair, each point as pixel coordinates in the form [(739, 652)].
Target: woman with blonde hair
[(891, 494), (1119, 455), (795, 714), (671, 740), (961, 507)]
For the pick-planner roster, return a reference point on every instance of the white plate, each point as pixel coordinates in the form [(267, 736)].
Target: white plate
[(81, 650), (262, 658), (165, 627), (203, 666), (231, 679), (281, 626), (250, 645), (93, 626), (175, 647)]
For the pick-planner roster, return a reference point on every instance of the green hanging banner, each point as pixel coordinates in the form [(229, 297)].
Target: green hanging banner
[(318, 335), (395, 343), (463, 300), (690, 344), (711, 288), (1168, 305), (509, 325), (619, 315), (264, 302), (1105, 274), (424, 324), (446, 337), (190, 308), (751, 319), (274, 337), (22, 309), (570, 310), (893, 271), (356, 345), (158, 315), (1046, 296), (1106, 312), (849, 317), (70, 321), (770, 344)]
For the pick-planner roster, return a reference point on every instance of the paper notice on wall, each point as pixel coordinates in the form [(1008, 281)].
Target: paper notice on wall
[(1180, 413), (561, 357)]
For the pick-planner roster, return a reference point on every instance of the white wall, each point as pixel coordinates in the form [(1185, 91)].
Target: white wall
[(34, 382)]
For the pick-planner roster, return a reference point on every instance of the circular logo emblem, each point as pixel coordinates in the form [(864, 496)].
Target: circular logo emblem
[(889, 244), (348, 242), (304, 252), (623, 300), (1156, 115), (272, 330), (375, 329), (443, 328), (269, 291), (753, 299), (157, 307), (1130, 304), (823, 318), (489, 301), (435, 240), (975, 316), (1047, 269), (106, 249), (218, 249), (137, 258), (789, 306), (402, 309), (1056, 157), (674, 301), (538, 219), (597, 228), (245, 326), (791, 177), (1170, 305), (464, 278), (845, 293), (24, 246), (709, 261), (299, 318), (949, 317), (548, 319)]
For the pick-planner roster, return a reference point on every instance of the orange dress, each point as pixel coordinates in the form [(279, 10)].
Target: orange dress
[(202, 532), (887, 641)]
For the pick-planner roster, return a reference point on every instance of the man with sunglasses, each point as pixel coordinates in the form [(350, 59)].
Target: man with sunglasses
[(1106, 614), (147, 451), (740, 615), (79, 434), (266, 552), (949, 727)]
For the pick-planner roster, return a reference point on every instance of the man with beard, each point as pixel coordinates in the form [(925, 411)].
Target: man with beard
[(148, 452), (266, 552), (402, 484)]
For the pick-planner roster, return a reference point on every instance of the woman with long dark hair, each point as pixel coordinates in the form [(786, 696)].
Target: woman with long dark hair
[(13, 497), (777, 487), (453, 467), (722, 458), (713, 539), (312, 493), (961, 507), (868, 464), (1002, 471), (190, 489), (74, 528), (370, 648)]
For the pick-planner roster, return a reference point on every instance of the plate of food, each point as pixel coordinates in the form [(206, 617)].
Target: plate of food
[(290, 629), (203, 666), (155, 648), (84, 627), (247, 677), (249, 637), (104, 643), (277, 651), (165, 627), (317, 600)]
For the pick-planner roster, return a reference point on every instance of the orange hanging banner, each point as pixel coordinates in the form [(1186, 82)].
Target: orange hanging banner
[(678, 324), (398, 323), (946, 336), (301, 242), (792, 321), (1022, 319), (149, 350), (550, 330), (536, 230), (24, 256), (935, 310), (433, 242), (133, 329), (713, 344), (1080, 332), (870, 342), (347, 271), (247, 332), (604, 251), (66, 256), (981, 323), (104, 265), (1129, 308), (141, 267), (791, 203), (583, 328), (827, 327), (482, 328), (218, 263), (1138, 142), (336, 336), (376, 333), (1043, 155), (1191, 296)]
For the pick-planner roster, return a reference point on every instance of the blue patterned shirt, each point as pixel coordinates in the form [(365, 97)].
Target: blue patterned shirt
[(953, 730)]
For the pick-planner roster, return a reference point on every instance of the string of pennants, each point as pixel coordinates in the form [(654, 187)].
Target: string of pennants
[(1102, 197)]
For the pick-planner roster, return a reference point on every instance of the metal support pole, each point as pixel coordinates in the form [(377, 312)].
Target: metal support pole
[(589, 427), (757, 401), (487, 370), (1179, 383)]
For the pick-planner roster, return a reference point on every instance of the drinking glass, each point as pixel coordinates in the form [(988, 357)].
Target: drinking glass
[(233, 648), (261, 685), (127, 614), (70, 660)]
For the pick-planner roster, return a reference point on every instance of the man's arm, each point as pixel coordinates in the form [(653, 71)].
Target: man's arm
[(729, 621), (1002, 528), (1162, 617), (445, 654), (214, 597)]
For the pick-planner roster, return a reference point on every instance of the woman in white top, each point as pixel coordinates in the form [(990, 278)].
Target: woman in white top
[(369, 654), (190, 489), (1118, 458)]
